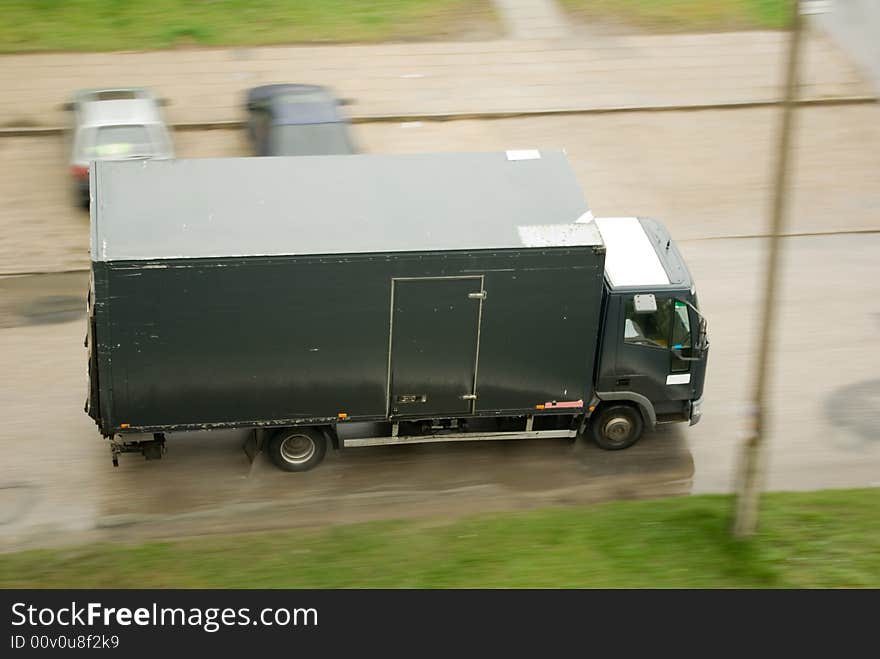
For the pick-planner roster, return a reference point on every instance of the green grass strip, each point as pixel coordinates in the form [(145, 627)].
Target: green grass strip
[(816, 539)]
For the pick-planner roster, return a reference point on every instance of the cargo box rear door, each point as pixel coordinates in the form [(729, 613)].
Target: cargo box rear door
[(435, 330)]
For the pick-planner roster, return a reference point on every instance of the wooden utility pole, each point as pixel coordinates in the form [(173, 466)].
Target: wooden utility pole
[(752, 460)]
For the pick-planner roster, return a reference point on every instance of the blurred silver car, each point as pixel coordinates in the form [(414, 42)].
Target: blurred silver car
[(114, 124)]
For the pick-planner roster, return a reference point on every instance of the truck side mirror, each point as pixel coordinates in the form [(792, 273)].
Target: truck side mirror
[(697, 352), (703, 337)]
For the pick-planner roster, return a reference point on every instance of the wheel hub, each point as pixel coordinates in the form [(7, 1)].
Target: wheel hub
[(297, 449), (618, 429)]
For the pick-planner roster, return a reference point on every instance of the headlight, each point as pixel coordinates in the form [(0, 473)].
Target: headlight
[(696, 411)]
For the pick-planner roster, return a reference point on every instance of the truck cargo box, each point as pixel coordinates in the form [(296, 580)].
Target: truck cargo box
[(248, 292)]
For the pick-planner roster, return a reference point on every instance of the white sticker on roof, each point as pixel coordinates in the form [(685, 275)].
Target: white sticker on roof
[(524, 154), (556, 235), (586, 218), (630, 258)]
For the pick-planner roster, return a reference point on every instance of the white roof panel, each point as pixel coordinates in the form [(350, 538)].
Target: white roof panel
[(630, 258)]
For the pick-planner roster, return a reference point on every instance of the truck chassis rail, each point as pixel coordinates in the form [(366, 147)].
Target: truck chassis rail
[(457, 437)]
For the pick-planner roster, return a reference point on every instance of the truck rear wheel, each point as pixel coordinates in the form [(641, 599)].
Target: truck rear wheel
[(297, 449), (617, 427)]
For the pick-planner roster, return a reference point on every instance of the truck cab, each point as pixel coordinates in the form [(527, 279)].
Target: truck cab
[(653, 346)]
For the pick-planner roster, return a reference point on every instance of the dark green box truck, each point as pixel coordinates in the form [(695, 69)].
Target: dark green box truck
[(378, 299)]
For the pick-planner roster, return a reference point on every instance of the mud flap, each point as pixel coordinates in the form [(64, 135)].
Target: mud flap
[(253, 445)]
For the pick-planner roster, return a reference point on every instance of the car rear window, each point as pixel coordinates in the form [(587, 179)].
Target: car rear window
[(118, 142), (310, 140)]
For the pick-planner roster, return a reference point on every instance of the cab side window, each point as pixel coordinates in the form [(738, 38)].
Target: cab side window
[(648, 329), (668, 327)]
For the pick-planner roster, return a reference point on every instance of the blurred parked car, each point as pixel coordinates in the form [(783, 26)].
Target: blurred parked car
[(114, 124), (297, 120)]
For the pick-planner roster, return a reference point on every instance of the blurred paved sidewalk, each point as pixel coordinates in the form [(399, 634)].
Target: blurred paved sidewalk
[(439, 77), (532, 19)]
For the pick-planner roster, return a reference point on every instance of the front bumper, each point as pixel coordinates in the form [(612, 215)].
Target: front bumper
[(696, 411)]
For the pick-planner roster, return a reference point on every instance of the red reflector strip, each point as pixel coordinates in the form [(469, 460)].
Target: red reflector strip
[(565, 403)]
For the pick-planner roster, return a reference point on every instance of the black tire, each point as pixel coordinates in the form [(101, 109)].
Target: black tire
[(297, 449), (617, 427)]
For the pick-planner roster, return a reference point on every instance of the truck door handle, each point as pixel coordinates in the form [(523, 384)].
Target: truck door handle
[(623, 382), (477, 296), (468, 397)]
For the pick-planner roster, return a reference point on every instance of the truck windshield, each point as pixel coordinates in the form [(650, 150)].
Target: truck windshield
[(681, 326), (681, 336)]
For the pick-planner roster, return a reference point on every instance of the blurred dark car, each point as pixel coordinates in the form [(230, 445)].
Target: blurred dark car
[(297, 120)]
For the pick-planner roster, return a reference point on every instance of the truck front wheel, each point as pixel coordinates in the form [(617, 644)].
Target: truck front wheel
[(617, 427), (297, 449)]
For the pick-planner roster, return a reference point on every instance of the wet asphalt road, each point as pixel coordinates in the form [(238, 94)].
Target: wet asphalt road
[(702, 174)]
